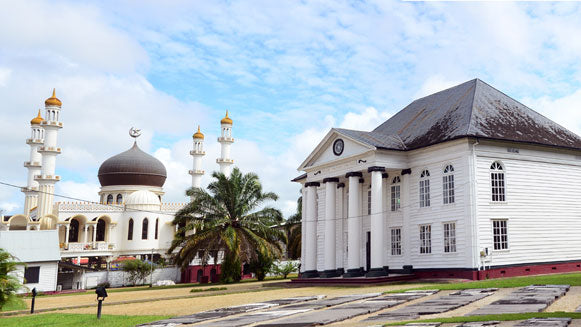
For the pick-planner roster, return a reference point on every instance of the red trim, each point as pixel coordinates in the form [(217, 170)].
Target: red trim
[(524, 270), (190, 275)]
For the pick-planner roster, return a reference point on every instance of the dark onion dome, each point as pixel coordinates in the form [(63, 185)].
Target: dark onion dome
[(132, 167)]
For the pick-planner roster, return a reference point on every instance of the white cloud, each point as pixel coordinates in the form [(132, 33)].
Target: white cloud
[(367, 120), (76, 190), (4, 75), (565, 110)]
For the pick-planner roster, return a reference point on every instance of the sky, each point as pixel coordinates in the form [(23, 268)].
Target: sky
[(287, 71)]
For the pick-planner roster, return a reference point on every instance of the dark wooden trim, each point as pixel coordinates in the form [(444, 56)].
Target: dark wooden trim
[(375, 168), (354, 174)]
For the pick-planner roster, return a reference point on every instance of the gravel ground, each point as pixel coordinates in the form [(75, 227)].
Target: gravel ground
[(44, 302), (567, 303), (193, 305)]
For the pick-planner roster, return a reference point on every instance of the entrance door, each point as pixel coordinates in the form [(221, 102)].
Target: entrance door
[(368, 252)]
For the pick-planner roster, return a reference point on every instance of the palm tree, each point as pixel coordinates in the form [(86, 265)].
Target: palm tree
[(293, 232), (9, 284), (229, 217)]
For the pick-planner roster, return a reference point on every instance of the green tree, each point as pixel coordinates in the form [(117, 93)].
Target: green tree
[(137, 270), (9, 283), (292, 229), (230, 217)]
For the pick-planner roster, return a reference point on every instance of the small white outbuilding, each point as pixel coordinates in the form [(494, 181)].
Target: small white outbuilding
[(39, 253)]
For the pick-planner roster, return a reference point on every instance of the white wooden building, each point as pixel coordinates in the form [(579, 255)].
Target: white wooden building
[(466, 182), (39, 254)]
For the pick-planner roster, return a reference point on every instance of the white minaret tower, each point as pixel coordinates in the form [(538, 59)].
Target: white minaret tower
[(49, 151), (198, 152), (34, 164), (225, 141)]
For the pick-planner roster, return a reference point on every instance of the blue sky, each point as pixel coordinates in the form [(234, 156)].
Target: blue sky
[(286, 70)]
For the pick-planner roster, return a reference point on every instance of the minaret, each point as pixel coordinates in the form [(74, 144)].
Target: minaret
[(225, 140), (34, 164), (198, 152), (49, 151)]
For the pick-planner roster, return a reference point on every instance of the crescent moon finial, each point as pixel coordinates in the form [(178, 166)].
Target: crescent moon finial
[(134, 133)]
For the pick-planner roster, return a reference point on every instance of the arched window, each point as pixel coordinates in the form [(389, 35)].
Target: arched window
[(101, 230), (448, 184), (130, 230), (144, 228), (156, 227), (425, 189), (109, 199), (119, 198), (395, 193), (497, 182), (74, 231)]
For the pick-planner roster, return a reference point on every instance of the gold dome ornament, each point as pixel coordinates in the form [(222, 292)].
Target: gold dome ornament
[(53, 100), (198, 134), (36, 120), (226, 120)]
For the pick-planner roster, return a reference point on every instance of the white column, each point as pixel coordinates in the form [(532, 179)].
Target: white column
[(385, 209), (407, 232), (377, 222), (311, 231), (330, 229), (354, 226), (94, 235), (67, 234), (85, 235), (340, 255)]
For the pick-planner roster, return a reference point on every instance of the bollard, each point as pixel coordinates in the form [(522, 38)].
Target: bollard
[(101, 295), (99, 306), (33, 298)]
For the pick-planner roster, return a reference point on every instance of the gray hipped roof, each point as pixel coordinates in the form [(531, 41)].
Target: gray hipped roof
[(471, 109)]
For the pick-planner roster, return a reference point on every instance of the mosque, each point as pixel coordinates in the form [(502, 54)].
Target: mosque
[(130, 220)]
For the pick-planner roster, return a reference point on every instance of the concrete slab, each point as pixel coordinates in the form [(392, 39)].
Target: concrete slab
[(228, 311), (545, 322)]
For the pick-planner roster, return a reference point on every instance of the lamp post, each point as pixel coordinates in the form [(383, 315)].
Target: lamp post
[(101, 295), (33, 298)]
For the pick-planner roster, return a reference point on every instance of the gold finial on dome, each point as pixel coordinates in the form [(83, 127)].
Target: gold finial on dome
[(226, 120), (36, 120), (198, 134), (53, 100)]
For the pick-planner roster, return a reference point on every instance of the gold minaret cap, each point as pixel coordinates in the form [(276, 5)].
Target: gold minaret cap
[(226, 120), (53, 101), (36, 120), (198, 134)]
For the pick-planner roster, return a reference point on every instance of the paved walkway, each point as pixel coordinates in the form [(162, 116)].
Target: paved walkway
[(534, 298), (355, 309)]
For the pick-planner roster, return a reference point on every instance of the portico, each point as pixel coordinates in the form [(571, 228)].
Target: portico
[(346, 222)]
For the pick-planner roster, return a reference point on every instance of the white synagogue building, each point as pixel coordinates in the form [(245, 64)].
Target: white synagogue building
[(131, 218), (466, 182)]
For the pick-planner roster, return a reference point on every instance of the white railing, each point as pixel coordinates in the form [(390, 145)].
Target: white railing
[(80, 247), (87, 206), (172, 207)]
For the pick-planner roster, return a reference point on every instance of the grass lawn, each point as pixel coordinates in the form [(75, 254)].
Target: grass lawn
[(15, 303), (74, 320), (573, 279), (499, 317)]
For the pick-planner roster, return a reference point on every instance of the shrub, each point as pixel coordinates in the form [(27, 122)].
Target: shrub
[(137, 270), (261, 266), (285, 269), (8, 283)]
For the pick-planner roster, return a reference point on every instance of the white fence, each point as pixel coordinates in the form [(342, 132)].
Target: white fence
[(120, 278)]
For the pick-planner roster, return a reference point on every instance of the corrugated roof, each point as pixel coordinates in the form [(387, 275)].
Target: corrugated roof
[(31, 246), (471, 109)]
